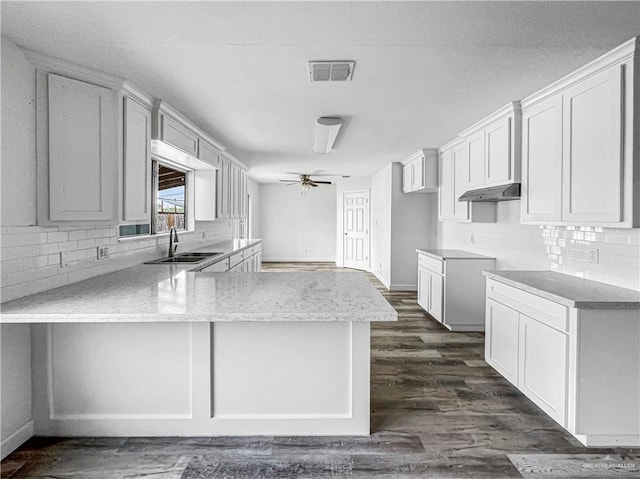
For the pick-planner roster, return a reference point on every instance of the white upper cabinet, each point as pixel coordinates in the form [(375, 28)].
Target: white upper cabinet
[(460, 166), (420, 172), (205, 195), (494, 148), (136, 171), (542, 162), (580, 148), (82, 151), (454, 181), (591, 149), (208, 153), (178, 135)]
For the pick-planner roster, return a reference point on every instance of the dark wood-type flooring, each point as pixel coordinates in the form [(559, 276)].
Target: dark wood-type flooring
[(437, 411)]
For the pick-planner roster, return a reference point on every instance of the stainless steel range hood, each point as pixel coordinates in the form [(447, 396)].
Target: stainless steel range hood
[(493, 193)]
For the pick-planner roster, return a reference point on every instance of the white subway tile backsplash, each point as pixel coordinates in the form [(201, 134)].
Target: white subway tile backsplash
[(565, 249), (57, 237), (31, 254)]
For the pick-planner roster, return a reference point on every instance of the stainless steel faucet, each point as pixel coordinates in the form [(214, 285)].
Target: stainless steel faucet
[(173, 238)]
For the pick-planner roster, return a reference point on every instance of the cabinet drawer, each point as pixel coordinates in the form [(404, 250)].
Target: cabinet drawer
[(236, 259), (545, 311), (435, 265), (220, 266), (179, 136)]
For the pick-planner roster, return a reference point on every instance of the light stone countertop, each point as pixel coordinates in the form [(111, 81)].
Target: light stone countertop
[(165, 293), (444, 254), (569, 290)]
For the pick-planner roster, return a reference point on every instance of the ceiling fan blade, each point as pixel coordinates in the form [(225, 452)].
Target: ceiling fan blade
[(290, 181), (322, 182), (311, 183)]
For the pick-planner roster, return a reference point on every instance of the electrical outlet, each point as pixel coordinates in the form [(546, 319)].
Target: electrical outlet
[(64, 259), (593, 255), (102, 252)]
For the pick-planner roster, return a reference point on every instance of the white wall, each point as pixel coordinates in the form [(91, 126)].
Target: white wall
[(253, 189), (297, 227), (344, 185), (16, 422), (559, 248), (381, 224), (414, 219), (18, 137)]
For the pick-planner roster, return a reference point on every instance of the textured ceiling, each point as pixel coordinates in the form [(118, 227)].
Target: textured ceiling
[(424, 70)]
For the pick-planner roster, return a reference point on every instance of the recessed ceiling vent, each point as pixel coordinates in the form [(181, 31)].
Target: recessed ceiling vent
[(331, 70)]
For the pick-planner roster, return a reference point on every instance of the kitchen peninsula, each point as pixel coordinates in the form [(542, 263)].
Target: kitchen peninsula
[(166, 350)]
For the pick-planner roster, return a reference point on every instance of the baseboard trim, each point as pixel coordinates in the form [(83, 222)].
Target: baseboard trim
[(297, 259), (403, 287), (382, 279), (16, 439)]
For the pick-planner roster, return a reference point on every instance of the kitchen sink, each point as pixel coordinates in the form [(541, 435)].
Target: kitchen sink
[(194, 257)]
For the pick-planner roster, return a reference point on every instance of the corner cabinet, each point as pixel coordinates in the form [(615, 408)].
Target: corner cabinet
[(454, 181), (420, 172), (580, 366), (445, 276), (580, 146), (494, 148), (77, 157)]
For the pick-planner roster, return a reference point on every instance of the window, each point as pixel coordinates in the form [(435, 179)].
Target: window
[(169, 203), (170, 199)]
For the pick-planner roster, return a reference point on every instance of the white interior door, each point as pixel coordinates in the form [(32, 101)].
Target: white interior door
[(356, 230)]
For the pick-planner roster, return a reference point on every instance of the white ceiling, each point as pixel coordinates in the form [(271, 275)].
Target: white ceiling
[(424, 70)]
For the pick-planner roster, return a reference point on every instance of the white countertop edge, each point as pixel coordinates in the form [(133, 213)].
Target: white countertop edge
[(464, 255), (195, 318), (572, 303)]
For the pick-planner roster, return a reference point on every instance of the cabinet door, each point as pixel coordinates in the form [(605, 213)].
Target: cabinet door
[(222, 189), (258, 260), (235, 191), (542, 162), (205, 195), (179, 136), (423, 288), (501, 339), (417, 173), (542, 374), (476, 175), (460, 159), (436, 295), (406, 178), (497, 166), (592, 149), (136, 170), (445, 193), (83, 143), (208, 153)]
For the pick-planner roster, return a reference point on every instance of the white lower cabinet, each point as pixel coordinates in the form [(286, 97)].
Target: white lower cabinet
[(580, 366), (444, 280), (542, 371), (501, 339), (248, 260)]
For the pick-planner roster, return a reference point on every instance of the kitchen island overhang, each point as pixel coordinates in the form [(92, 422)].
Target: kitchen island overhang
[(173, 352)]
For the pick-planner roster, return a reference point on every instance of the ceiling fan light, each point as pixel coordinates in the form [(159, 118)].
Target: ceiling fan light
[(325, 133)]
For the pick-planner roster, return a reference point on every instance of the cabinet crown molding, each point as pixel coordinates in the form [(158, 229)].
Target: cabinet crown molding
[(232, 158), (138, 94), (65, 68), (161, 106), (428, 153), (451, 144), (511, 108), (620, 54)]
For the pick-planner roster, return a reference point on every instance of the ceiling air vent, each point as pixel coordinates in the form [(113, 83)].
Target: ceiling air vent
[(331, 70)]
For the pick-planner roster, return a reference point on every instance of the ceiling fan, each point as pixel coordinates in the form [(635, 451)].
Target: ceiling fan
[(305, 181)]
